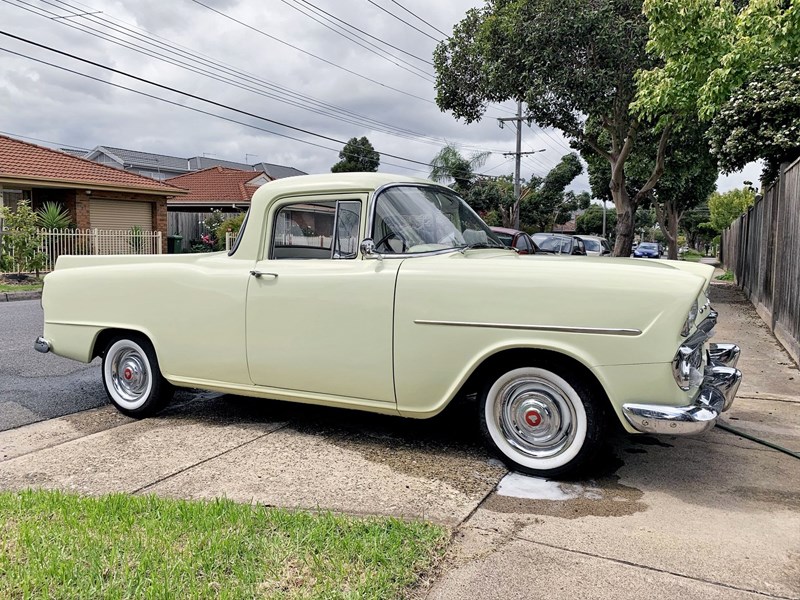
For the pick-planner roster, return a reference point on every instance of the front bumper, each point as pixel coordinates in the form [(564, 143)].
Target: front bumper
[(720, 383)]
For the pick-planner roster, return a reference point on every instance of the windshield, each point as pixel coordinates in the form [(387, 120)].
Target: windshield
[(552, 243), (647, 246), (415, 219), (592, 245)]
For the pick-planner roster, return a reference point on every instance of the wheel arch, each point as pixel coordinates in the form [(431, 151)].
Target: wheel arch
[(511, 358), (104, 337)]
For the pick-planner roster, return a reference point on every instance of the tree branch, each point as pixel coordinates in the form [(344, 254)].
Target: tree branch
[(658, 168), (627, 147)]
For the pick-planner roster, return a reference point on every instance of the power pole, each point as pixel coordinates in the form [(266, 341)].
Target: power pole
[(518, 157)]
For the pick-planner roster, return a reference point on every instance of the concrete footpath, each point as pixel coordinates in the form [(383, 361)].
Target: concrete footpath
[(717, 516)]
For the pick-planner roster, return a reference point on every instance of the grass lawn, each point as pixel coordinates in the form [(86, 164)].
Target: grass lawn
[(59, 545), (692, 256), (33, 287)]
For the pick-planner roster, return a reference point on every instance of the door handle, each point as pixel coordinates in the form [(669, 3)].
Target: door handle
[(258, 274)]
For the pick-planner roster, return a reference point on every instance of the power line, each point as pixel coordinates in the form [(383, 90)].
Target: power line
[(388, 12), (194, 109), (374, 50), (318, 10), (326, 61), (26, 137), (420, 18), (276, 92), (193, 96)]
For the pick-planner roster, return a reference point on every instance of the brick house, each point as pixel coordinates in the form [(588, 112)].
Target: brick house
[(95, 196)]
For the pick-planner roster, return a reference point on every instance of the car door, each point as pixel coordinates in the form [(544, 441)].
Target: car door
[(319, 317)]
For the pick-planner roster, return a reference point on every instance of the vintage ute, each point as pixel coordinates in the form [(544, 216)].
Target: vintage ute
[(389, 294)]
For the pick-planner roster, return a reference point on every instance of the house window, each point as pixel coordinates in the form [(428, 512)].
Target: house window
[(11, 198), (327, 229)]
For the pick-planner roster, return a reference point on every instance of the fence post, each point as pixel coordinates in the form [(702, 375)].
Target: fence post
[(96, 240), (158, 242), (779, 201)]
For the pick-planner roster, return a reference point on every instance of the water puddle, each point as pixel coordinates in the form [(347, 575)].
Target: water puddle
[(517, 493)]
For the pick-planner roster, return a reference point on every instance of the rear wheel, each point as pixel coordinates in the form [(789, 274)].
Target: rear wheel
[(541, 420), (132, 378)]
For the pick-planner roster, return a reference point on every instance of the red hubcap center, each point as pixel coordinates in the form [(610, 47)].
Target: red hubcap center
[(127, 373), (533, 418)]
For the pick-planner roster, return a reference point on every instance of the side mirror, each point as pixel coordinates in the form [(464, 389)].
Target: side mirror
[(368, 249)]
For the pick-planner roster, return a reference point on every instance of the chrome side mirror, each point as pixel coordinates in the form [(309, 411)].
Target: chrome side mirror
[(368, 249)]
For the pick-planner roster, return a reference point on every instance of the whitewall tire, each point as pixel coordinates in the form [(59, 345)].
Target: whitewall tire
[(540, 420), (131, 376)]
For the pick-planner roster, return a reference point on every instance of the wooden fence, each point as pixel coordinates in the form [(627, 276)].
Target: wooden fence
[(189, 225), (762, 249)]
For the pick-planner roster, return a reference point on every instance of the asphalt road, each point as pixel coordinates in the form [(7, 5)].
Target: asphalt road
[(35, 386)]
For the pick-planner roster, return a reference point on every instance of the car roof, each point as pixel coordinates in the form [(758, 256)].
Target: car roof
[(506, 230), (589, 237)]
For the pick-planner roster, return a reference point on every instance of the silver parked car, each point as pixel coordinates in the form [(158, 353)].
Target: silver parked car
[(595, 245)]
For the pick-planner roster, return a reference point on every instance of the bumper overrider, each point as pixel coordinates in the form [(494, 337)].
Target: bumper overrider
[(717, 386)]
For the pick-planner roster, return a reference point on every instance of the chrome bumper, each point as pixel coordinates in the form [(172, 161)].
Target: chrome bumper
[(41, 345), (721, 381)]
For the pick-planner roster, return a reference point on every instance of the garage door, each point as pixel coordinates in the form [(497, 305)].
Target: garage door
[(120, 214)]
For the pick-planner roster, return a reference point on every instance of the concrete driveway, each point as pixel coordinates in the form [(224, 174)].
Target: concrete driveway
[(716, 516)]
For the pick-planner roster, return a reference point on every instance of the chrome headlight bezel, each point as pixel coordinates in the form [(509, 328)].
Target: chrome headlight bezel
[(690, 319)]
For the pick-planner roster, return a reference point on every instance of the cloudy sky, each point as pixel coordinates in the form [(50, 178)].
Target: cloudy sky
[(282, 60)]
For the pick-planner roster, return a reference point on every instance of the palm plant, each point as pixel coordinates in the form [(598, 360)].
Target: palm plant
[(449, 165)]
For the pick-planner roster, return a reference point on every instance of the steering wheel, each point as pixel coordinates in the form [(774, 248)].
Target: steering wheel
[(386, 238)]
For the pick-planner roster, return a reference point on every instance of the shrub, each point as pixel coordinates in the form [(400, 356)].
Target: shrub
[(233, 224), (53, 216)]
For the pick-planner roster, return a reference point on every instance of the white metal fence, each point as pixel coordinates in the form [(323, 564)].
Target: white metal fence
[(55, 242)]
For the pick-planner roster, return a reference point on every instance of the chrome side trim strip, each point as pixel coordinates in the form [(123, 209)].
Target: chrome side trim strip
[(556, 328)]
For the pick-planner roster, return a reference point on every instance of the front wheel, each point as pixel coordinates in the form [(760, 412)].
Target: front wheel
[(541, 420), (131, 376)]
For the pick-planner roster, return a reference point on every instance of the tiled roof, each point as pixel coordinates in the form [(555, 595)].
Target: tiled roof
[(145, 159), (73, 152), (278, 171), (204, 162), (216, 185), (22, 160)]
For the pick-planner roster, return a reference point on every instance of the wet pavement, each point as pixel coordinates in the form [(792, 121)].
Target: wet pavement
[(715, 516)]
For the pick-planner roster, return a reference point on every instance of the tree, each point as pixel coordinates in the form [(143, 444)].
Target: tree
[(760, 121), (544, 202), (573, 63), (690, 175), (591, 221), (727, 207), (21, 241), (492, 195), (358, 155), (706, 50), (450, 166)]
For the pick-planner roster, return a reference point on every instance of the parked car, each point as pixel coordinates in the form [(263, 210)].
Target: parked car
[(647, 250), (595, 245), (558, 243), (394, 297), (514, 238)]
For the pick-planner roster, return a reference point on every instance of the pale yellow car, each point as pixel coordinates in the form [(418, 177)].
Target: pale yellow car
[(389, 294)]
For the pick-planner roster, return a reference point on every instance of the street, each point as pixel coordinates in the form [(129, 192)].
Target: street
[(36, 386)]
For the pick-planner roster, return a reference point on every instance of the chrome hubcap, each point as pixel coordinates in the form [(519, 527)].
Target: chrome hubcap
[(536, 417), (129, 374)]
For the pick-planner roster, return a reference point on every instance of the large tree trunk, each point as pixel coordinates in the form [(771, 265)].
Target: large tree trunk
[(625, 213), (669, 217)]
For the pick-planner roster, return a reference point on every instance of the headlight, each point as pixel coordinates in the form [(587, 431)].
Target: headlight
[(690, 318)]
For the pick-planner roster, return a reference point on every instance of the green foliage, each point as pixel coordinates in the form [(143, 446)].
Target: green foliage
[(760, 121), (591, 221), (231, 224), (706, 50), (136, 239), (572, 62), (726, 276), (450, 166), (21, 241), (545, 203), (494, 196), (53, 216), (726, 208), (58, 545), (358, 155)]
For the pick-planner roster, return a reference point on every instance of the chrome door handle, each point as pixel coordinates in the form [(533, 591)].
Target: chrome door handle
[(258, 274)]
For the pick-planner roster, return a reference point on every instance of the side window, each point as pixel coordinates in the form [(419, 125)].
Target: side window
[(521, 244), (348, 218), (308, 230)]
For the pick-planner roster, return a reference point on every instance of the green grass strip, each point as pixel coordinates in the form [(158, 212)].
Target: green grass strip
[(58, 545), (35, 287)]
